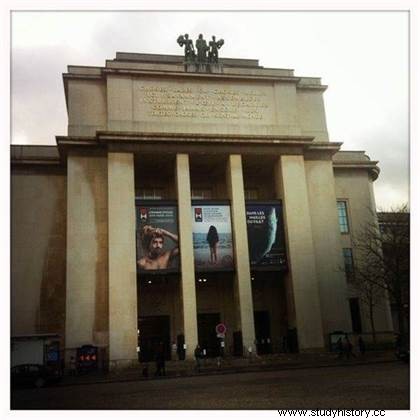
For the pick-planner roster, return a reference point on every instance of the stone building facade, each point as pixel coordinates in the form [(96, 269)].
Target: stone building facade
[(144, 132)]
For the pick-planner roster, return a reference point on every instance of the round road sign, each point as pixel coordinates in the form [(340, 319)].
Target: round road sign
[(220, 328)]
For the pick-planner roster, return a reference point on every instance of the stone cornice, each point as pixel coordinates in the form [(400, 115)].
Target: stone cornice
[(165, 73), (195, 143), (371, 166), (153, 143), (104, 136), (321, 88), (36, 155), (47, 162), (67, 76), (38, 166), (199, 76), (321, 150), (230, 76)]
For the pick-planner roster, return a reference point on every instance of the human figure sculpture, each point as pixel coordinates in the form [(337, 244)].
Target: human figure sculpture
[(202, 49), (214, 47), (206, 54), (189, 53)]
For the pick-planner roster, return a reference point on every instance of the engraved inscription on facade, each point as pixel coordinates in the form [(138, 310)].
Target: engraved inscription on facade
[(203, 103)]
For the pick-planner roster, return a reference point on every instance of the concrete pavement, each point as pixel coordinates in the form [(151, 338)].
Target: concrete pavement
[(176, 369)]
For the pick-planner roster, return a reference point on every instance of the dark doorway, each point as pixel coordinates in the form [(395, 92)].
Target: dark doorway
[(238, 346), (153, 331), (356, 319), (262, 332), (207, 336)]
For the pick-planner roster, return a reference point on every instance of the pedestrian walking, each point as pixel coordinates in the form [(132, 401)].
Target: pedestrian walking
[(348, 348), (197, 355), (340, 348), (362, 346), (284, 347), (180, 348), (162, 364), (73, 366), (145, 371), (160, 361), (174, 349)]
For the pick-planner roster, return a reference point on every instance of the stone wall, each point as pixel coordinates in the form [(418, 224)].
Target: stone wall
[(38, 252)]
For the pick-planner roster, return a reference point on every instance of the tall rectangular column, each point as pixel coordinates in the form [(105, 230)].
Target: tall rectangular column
[(326, 235), (243, 289), (291, 186), (87, 259), (122, 261), (189, 303)]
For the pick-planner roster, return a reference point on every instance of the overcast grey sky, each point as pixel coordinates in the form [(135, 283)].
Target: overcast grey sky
[(362, 56)]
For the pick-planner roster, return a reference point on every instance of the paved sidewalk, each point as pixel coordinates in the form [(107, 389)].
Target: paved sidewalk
[(176, 369)]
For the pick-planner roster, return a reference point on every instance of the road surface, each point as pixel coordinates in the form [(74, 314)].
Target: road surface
[(375, 386)]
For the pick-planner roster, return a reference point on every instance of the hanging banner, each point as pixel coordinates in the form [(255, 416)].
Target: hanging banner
[(157, 238), (266, 236), (212, 237)]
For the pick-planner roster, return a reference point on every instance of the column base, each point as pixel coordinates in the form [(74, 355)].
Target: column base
[(116, 365), (313, 350)]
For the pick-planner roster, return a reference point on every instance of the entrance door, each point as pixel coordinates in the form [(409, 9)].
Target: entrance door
[(262, 331), (154, 331), (356, 319), (207, 336)]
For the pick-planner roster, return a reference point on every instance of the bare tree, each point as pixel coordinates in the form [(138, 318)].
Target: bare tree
[(395, 235), (364, 279), (383, 262)]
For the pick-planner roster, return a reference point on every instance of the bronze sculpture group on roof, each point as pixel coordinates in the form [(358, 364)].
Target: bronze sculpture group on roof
[(206, 54)]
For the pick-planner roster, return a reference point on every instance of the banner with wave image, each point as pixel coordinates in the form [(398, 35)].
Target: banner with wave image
[(266, 240)]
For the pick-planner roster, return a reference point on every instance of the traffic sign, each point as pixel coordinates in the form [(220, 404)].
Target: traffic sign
[(221, 329)]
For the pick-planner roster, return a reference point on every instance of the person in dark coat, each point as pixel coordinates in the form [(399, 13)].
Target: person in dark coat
[(362, 346), (213, 241), (348, 348), (340, 348), (73, 366), (145, 371), (160, 361), (197, 355)]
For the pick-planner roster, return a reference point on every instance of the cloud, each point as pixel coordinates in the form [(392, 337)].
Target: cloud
[(38, 104)]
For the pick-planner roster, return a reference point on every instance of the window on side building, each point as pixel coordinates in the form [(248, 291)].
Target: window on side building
[(343, 220), (348, 262), (356, 319)]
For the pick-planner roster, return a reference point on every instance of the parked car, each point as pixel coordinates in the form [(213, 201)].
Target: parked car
[(29, 375)]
